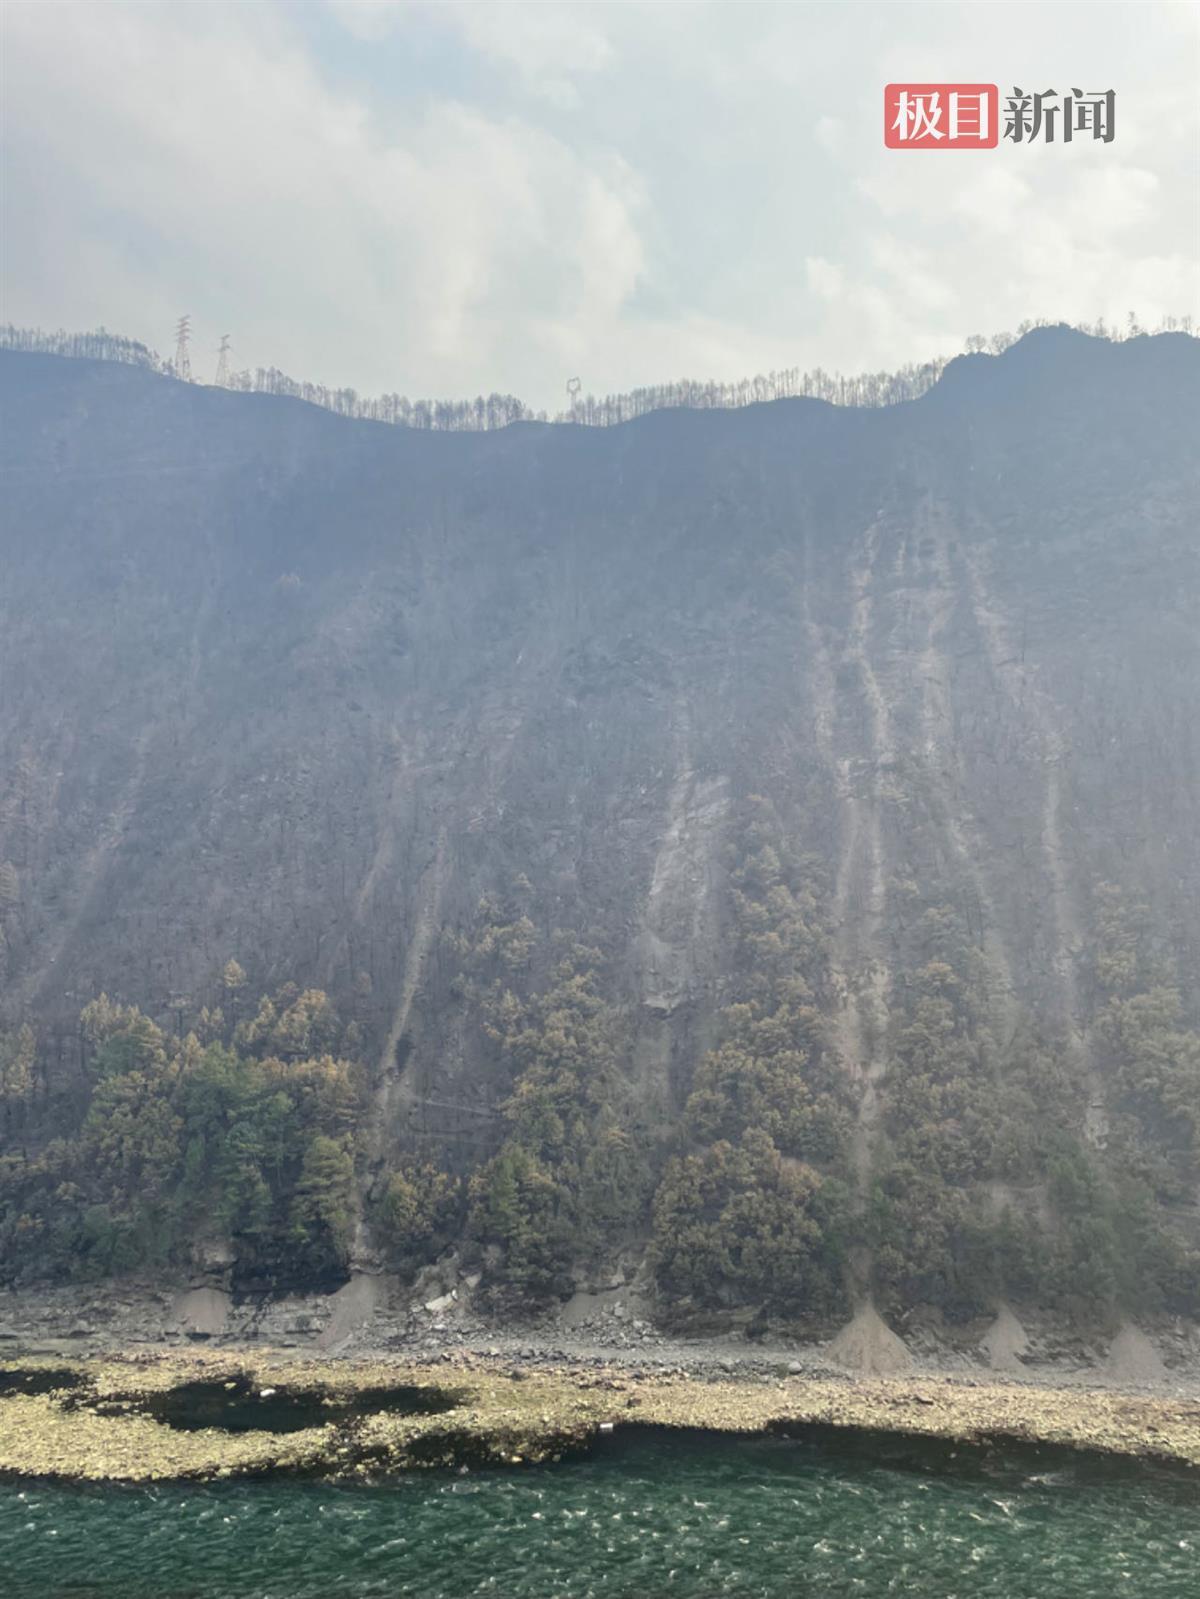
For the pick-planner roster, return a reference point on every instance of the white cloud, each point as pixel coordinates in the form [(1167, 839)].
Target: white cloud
[(379, 262), (629, 191), (368, 19), (993, 201), (830, 134), (824, 278), (548, 44), (1107, 199)]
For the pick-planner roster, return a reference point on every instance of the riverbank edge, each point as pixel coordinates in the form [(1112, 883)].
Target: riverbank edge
[(94, 1428)]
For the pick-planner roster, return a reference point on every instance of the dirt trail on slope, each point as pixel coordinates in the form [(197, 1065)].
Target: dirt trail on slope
[(399, 781), (96, 865), (385, 849), (943, 762), (870, 1005), (859, 965), (1009, 669), (414, 956), (677, 940), (390, 1084)]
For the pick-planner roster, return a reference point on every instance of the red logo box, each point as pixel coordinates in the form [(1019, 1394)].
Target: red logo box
[(941, 116)]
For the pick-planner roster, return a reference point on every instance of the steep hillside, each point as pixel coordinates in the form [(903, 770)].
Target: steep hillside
[(766, 842)]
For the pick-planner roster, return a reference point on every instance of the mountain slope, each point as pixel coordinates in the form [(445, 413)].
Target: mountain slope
[(819, 786)]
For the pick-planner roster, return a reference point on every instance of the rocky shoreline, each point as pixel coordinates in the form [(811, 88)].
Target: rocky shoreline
[(375, 1316), (102, 1420), (397, 1376)]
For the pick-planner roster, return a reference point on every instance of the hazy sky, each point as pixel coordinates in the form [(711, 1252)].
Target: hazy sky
[(443, 199)]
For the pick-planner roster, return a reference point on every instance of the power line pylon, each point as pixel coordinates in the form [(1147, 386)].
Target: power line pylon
[(183, 361), (222, 377)]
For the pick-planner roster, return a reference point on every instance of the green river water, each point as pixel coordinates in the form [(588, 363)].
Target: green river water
[(646, 1515)]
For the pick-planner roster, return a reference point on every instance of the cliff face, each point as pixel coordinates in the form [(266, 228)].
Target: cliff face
[(305, 692)]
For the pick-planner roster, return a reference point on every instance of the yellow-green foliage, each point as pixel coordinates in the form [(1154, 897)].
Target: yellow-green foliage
[(1081, 1227), (18, 1054), (291, 1026), (419, 1205), (748, 1214), (771, 1073), (961, 1111), (178, 1140), (506, 943), (1153, 1056), (568, 1180), (321, 1213), (742, 1225)]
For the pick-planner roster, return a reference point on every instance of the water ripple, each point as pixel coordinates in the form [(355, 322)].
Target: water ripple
[(687, 1517)]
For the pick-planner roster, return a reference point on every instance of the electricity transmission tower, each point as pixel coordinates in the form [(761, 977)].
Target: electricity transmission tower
[(573, 388), (222, 377), (183, 361)]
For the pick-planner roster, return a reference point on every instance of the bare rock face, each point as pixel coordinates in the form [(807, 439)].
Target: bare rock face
[(212, 1262), (202, 1312)]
